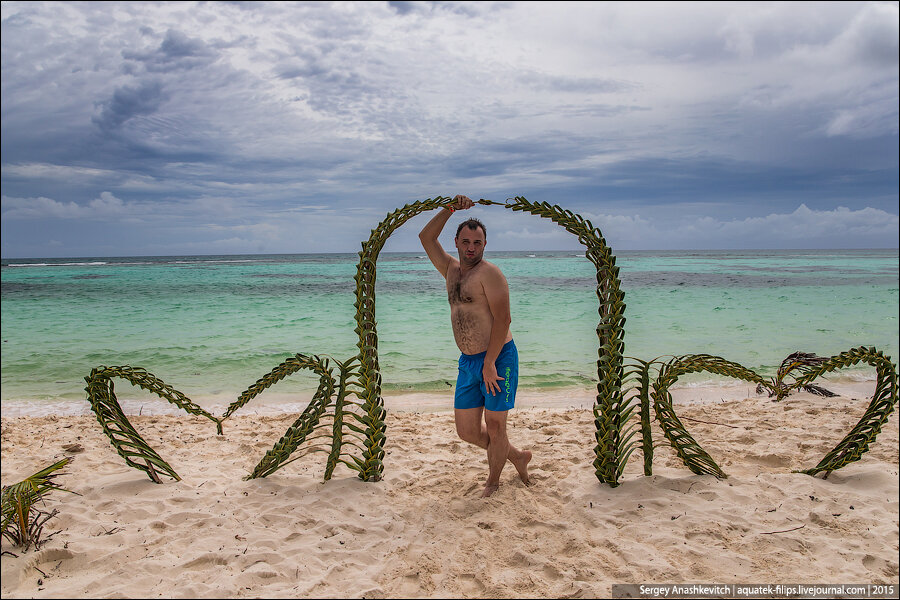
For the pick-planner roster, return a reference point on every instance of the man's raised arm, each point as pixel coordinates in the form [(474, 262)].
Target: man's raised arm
[(429, 234)]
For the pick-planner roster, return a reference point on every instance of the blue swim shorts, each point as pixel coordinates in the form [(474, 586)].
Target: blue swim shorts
[(470, 389)]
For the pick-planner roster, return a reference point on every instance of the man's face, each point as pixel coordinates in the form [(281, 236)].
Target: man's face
[(470, 245)]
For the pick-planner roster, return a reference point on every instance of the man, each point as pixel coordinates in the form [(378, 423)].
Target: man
[(489, 364)]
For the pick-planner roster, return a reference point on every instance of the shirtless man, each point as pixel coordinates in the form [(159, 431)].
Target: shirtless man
[(489, 364)]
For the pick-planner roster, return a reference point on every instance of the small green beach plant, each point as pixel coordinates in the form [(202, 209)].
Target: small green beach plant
[(801, 363), (23, 521)]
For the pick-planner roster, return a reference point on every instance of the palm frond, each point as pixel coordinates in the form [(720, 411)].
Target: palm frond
[(23, 521), (687, 448), (884, 400), (797, 365), (127, 442)]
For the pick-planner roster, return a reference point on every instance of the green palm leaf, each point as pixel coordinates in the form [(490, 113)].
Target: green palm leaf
[(23, 521)]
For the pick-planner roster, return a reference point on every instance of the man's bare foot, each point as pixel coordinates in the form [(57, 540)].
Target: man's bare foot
[(521, 465), (490, 489)]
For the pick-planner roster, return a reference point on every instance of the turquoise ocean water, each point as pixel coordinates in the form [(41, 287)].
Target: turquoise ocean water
[(210, 326)]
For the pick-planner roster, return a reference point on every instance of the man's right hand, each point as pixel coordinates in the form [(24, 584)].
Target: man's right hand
[(461, 202)]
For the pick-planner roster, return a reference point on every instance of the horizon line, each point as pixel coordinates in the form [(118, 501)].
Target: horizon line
[(110, 256)]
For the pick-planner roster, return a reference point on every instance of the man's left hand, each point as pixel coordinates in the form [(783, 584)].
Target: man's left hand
[(490, 376)]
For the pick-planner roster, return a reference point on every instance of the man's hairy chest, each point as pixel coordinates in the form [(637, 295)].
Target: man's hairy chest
[(464, 289)]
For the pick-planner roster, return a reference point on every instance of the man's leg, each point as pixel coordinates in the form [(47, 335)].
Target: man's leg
[(471, 428), (499, 450)]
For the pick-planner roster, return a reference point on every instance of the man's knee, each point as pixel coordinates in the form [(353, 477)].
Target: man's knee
[(469, 429), (467, 432), (496, 423)]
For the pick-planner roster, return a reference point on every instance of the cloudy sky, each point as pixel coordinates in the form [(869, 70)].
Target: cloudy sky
[(244, 127)]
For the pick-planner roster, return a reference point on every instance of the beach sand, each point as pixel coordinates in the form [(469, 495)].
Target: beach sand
[(423, 531)]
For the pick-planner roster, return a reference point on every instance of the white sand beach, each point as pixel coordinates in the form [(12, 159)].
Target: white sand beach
[(423, 531)]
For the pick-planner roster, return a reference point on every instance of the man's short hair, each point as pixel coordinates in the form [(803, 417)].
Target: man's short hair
[(472, 224)]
